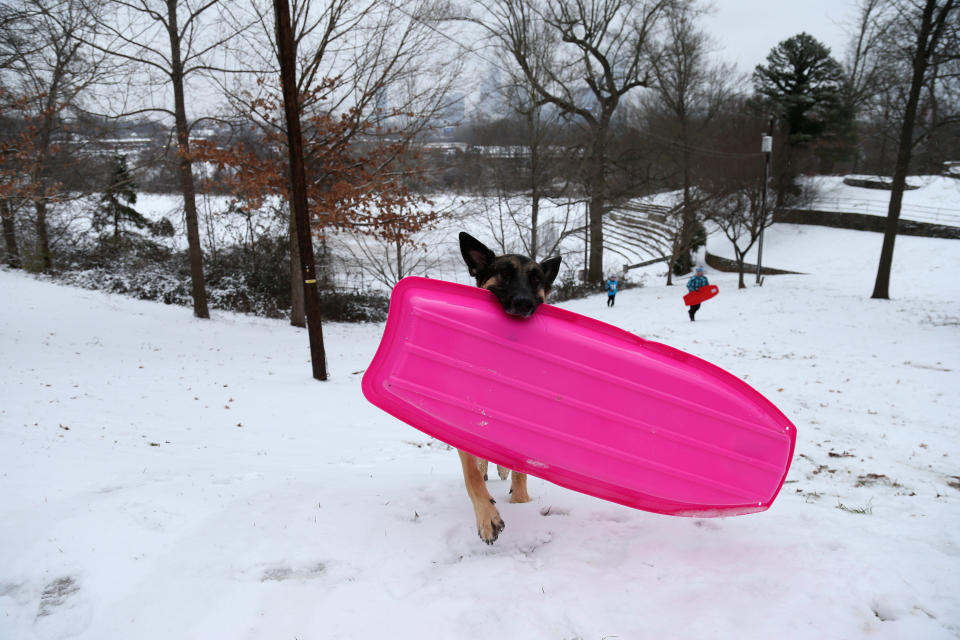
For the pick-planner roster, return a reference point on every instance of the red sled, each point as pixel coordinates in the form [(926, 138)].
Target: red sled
[(701, 295)]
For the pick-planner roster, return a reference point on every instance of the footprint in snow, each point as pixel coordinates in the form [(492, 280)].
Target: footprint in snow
[(62, 611), (888, 608), (282, 573)]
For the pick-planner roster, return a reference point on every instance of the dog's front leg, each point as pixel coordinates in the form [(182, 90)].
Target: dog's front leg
[(489, 522)]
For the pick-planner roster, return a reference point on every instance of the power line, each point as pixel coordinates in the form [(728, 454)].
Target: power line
[(701, 150)]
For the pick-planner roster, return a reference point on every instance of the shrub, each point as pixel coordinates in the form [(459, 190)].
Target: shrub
[(244, 279)]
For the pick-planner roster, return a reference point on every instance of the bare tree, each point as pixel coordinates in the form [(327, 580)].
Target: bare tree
[(10, 234), (532, 161), (526, 151), (46, 67), (926, 35), (867, 69), (508, 218), (689, 93), (372, 63), (583, 57), (539, 149), (736, 210), (168, 43), (389, 260)]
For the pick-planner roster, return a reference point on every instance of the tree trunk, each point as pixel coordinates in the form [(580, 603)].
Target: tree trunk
[(597, 207), (287, 54), (687, 229), (398, 245), (10, 235), (881, 288), (933, 113), (674, 250), (43, 155), (533, 132), (298, 313), (188, 188), (43, 239), (534, 221)]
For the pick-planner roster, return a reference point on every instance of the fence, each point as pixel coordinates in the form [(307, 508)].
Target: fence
[(920, 213)]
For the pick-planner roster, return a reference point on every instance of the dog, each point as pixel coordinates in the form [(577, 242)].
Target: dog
[(520, 284)]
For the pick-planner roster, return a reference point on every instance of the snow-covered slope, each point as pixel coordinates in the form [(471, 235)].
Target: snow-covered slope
[(935, 199), (164, 477)]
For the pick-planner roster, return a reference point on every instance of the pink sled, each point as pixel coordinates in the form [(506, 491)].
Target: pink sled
[(578, 402)]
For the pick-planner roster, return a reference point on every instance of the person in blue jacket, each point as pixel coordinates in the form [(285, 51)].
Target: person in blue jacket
[(697, 281), (612, 285)]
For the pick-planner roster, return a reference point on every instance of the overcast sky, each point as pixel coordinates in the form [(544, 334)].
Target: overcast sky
[(746, 30)]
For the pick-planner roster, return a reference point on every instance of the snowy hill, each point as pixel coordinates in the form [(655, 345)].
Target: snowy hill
[(634, 233), (165, 477), (934, 199)]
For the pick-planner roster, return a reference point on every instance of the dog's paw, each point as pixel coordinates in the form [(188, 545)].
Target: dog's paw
[(489, 523), (518, 488), (503, 472), (519, 496)]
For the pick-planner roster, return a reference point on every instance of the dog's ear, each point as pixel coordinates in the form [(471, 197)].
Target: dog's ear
[(551, 267), (475, 253)]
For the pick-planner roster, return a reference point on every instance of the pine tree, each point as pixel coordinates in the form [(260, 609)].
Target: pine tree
[(115, 209), (806, 89), (805, 85)]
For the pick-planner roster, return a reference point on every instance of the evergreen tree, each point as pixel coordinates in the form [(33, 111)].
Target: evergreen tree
[(806, 89), (115, 209), (805, 85)]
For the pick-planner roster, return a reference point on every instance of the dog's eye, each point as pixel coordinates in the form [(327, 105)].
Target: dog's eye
[(535, 279)]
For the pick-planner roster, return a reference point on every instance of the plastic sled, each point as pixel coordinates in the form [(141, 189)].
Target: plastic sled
[(578, 402), (700, 295)]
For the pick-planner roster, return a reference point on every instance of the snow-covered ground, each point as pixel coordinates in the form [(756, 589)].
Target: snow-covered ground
[(436, 253), (165, 477), (935, 199), (841, 254)]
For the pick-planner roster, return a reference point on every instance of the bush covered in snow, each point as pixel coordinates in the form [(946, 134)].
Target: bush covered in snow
[(248, 280)]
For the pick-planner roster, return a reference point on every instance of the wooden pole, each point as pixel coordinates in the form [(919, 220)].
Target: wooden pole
[(298, 186)]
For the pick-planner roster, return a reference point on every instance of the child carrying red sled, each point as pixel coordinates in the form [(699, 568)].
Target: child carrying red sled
[(696, 282)]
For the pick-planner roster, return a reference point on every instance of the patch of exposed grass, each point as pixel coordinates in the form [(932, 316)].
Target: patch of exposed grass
[(873, 479), (866, 510)]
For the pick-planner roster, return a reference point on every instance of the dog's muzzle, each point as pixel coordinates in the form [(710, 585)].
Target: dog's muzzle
[(522, 306)]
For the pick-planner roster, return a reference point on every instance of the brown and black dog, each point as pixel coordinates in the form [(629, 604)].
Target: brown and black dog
[(520, 285)]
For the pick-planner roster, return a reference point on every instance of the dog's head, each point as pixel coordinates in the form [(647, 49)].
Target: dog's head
[(520, 284)]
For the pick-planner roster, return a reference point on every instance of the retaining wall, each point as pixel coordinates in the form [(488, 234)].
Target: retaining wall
[(864, 222)]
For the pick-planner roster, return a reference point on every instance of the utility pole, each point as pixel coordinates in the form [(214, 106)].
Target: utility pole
[(298, 186), (766, 147)]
